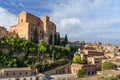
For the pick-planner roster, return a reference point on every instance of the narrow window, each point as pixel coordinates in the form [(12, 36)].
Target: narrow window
[(6, 74), (20, 73), (13, 73), (21, 20), (26, 73), (30, 78)]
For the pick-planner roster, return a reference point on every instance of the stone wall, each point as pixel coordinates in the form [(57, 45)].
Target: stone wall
[(65, 69), (18, 72)]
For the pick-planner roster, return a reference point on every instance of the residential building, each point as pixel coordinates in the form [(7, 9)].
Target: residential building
[(89, 69), (93, 53), (21, 78), (96, 60), (3, 32), (64, 69), (17, 72), (110, 54)]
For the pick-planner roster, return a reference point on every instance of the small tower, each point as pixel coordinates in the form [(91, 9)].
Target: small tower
[(45, 18)]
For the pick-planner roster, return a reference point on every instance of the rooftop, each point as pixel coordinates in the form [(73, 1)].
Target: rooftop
[(82, 65), (17, 69), (101, 74), (2, 28), (109, 72), (59, 76)]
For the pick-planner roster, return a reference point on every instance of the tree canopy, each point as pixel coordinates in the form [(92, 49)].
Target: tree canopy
[(66, 39), (16, 52), (35, 35), (80, 73), (76, 59), (107, 65)]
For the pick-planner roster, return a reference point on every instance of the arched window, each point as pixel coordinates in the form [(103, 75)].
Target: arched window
[(30, 78), (73, 70), (26, 73), (17, 79), (13, 73), (7, 74), (20, 73)]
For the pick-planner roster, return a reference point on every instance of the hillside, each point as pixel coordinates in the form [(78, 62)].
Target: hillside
[(16, 52)]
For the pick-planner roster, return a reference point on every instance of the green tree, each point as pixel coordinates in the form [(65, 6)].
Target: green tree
[(29, 62), (25, 46), (12, 42), (80, 73), (55, 39), (107, 65), (53, 55), (58, 40), (20, 53), (50, 39), (50, 51), (42, 47), (67, 47), (36, 36), (66, 39), (76, 59)]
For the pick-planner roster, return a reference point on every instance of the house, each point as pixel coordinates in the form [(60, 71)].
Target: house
[(89, 69)]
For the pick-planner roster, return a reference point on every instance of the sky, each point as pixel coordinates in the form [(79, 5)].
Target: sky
[(81, 20)]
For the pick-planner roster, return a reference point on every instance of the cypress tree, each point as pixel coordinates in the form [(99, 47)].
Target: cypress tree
[(36, 36), (55, 39), (66, 40), (58, 40), (50, 39)]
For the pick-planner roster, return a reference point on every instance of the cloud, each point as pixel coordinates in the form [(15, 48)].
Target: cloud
[(12, 3), (7, 19), (21, 4), (90, 20), (70, 24)]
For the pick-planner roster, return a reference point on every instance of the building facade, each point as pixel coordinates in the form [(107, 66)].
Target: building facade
[(65, 69), (30, 27), (88, 68), (96, 61), (3, 32), (17, 72)]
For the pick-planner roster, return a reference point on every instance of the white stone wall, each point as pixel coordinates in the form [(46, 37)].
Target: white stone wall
[(16, 73)]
